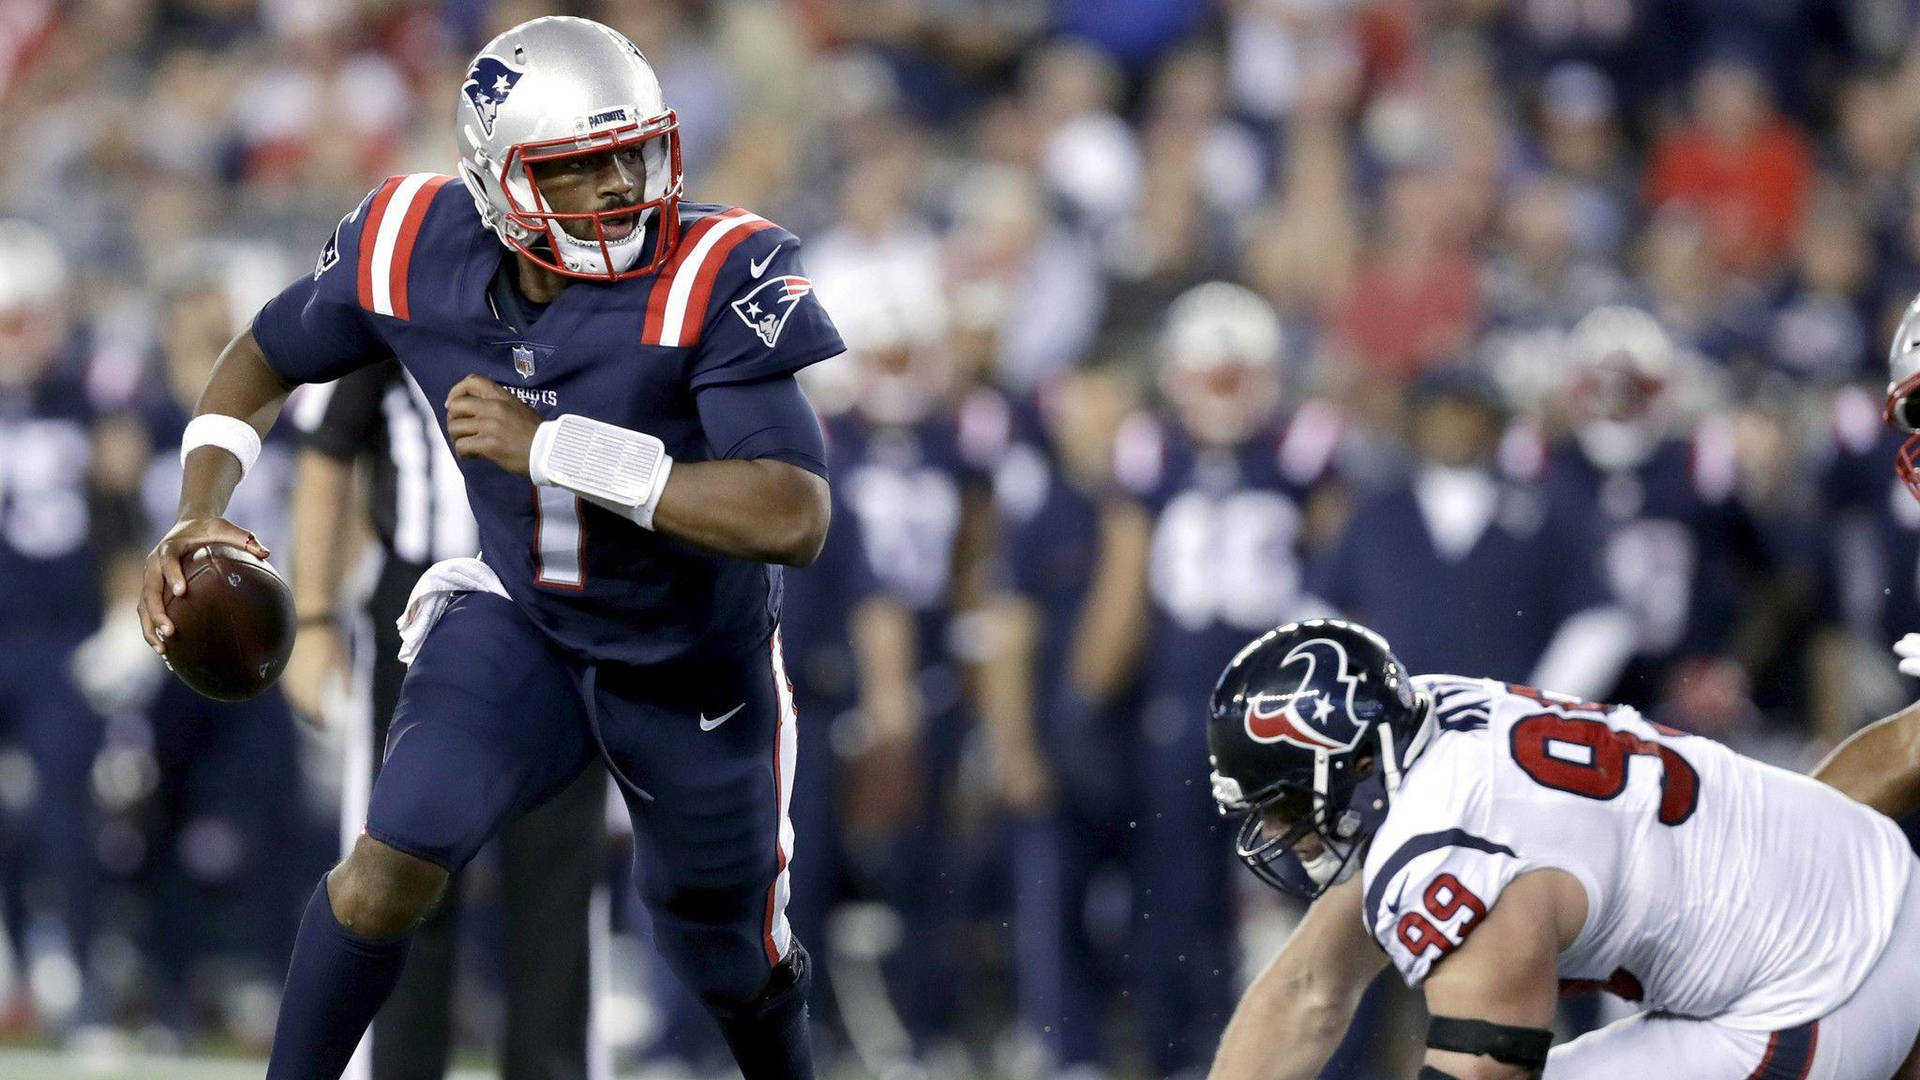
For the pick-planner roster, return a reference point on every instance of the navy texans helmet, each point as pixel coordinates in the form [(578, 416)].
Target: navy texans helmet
[(1312, 724)]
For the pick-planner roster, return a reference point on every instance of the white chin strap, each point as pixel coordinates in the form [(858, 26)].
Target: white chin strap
[(584, 256), (1324, 868)]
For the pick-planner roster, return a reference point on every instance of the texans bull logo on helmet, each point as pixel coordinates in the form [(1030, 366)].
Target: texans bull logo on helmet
[(766, 308), (1307, 716), (487, 86)]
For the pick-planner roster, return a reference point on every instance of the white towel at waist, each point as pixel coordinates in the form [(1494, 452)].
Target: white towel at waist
[(436, 589)]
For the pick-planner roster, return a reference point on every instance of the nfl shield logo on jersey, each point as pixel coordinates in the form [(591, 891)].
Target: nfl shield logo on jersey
[(487, 87), (766, 308), (523, 361)]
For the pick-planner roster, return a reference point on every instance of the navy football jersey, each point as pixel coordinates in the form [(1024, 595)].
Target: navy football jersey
[(409, 274), (818, 606), (1672, 535), (1872, 527), (1049, 538), (904, 485), (46, 560), (1227, 556)]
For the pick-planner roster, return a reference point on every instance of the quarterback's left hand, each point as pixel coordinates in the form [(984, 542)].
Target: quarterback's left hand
[(485, 421)]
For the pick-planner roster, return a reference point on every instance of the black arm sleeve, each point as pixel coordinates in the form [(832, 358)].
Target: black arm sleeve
[(342, 417), (767, 419)]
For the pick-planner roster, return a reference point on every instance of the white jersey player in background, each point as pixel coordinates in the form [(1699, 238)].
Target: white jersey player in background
[(1499, 844)]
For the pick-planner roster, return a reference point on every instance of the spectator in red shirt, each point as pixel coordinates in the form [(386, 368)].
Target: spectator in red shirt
[(1410, 302), (1738, 163)]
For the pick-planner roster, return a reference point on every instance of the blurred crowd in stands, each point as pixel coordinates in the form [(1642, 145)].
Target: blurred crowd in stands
[(1543, 335)]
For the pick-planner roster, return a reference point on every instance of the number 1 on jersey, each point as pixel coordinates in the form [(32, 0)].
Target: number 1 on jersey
[(559, 539)]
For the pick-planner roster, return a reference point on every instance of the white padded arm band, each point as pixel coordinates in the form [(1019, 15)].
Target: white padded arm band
[(229, 433), (624, 471)]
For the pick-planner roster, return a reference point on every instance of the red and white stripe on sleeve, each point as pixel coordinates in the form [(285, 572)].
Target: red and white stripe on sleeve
[(677, 307), (387, 240)]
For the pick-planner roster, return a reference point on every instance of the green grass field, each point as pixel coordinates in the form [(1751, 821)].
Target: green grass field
[(53, 1065)]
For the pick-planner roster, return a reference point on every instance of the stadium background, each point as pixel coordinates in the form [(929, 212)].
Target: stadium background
[(1431, 194)]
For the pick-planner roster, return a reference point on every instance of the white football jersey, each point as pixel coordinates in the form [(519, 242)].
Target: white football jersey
[(1717, 886)]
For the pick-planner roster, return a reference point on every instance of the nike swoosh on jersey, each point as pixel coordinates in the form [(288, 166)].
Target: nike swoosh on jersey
[(709, 725), (756, 267)]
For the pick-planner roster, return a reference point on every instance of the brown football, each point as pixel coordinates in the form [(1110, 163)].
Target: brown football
[(233, 628)]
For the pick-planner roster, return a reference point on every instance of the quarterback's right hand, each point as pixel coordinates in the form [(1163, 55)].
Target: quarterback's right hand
[(164, 575)]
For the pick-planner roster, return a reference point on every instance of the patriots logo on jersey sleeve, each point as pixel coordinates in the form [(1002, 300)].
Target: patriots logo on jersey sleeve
[(487, 86), (767, 307), (1313, 716)]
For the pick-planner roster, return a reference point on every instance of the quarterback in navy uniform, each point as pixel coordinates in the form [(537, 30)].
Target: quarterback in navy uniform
[(614, 369)]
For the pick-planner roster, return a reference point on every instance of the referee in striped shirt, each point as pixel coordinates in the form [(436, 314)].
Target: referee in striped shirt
[(377, 424)]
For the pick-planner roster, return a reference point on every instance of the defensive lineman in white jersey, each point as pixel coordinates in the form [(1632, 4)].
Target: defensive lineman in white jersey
[(1500, 844)]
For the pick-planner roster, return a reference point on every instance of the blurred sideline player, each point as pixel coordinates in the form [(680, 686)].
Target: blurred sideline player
[(229, 770), (51, 478), (913, 468), (1679, 551), (1504, 845), (550, 858), (625, 609), (1470, 567), (1227, 489), (1062, 759)]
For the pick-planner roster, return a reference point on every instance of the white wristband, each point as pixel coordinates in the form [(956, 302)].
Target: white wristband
[(624, 471), (229, 433)]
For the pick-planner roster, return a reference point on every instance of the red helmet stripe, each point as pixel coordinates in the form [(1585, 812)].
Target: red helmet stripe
[(403, 244), (369, 233)]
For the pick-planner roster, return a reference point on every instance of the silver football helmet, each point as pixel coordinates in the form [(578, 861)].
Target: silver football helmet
[(1220, 354), (1903, 392), (33, 308), (1621, 364), (555, 88)]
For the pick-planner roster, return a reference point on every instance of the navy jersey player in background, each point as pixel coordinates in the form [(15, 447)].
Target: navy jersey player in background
[(51, 492), (1679, 548), (1228, 490), (614, 369)]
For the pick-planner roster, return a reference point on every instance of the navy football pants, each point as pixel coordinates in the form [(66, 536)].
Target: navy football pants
[(494, 719), (51, 836)]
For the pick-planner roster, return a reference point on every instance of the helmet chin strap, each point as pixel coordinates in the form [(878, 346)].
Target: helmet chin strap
[(584, 256), (1334, 863)]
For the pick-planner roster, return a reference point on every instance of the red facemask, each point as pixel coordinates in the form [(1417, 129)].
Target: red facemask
[(662, 212)]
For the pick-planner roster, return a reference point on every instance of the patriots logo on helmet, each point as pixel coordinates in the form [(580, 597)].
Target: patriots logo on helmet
[(1308, 717), (766, 308), (487, 86)]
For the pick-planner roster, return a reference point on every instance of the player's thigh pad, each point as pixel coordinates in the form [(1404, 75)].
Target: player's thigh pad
[(1871, 1033), (1663, 1045), (1866, 1038), (490, 724), (712, 745)]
